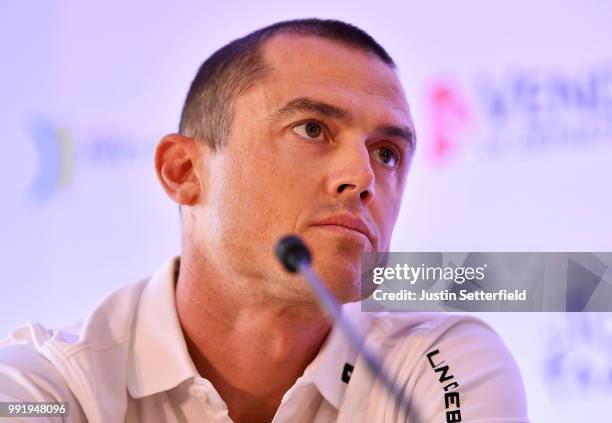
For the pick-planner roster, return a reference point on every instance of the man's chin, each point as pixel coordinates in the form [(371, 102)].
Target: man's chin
[(337, 260), (341, 277)]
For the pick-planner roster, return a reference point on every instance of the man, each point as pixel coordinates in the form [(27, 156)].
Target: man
[(301, 127)]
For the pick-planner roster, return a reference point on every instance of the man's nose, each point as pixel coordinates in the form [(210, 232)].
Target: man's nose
[(351, 175)]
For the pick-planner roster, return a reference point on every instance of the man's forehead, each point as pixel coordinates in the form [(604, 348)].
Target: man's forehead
[(310, 57), (305, 64)]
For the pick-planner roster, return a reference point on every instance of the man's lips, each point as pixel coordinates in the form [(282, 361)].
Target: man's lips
[(345, 222)]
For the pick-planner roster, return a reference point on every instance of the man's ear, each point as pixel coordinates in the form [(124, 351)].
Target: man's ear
[(176, 164)]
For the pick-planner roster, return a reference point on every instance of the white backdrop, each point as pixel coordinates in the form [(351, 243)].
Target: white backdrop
[(513, 108)]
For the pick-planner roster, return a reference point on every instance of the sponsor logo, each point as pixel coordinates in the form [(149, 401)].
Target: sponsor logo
[(347, 372), (578, 358), (449, 117), (60, 155), (56, 157), (522, 112), (449, 384)]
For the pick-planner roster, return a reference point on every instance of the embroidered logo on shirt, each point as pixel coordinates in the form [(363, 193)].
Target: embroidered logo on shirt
[(347, 373)]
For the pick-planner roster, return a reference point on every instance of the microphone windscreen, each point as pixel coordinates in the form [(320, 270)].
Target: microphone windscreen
[(292, 252)]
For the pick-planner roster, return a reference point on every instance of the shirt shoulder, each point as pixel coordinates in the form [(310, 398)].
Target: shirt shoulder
[(81, 364), (453, 368), (26, 375)]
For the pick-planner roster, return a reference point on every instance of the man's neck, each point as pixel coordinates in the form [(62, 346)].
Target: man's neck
[(252, 351)]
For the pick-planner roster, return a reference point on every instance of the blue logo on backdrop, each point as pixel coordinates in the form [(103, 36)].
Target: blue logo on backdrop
[(579, 355), (55, 150), (536, 110), (59, 156)]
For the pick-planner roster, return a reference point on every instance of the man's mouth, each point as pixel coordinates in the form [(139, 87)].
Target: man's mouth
[(347, 224)]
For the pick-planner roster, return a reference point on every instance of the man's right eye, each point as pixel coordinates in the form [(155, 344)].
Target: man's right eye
[(312, 131)]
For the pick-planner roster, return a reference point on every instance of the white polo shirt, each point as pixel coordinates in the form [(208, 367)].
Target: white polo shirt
[(129, 362)]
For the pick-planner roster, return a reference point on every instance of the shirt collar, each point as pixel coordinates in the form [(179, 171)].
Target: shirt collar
[(158, 358), (337, 357)]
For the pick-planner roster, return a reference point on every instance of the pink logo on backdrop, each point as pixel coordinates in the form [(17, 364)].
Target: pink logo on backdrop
[(448, 119)]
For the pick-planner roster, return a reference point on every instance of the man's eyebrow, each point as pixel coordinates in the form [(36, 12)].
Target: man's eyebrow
[(404, 132), (305, 104)]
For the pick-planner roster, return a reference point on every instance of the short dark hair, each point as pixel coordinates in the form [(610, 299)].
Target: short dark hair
[(231, 70)]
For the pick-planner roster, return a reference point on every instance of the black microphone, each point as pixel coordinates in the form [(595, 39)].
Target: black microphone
[(292, 252), (295, 257)]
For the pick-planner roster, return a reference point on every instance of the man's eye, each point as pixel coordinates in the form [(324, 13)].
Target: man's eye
[(310, 131), (386, 156)]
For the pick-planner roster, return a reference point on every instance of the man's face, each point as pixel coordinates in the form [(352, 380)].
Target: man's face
[(319, 148)]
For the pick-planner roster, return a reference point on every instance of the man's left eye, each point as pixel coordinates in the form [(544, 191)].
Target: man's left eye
[(386, 156), (310, 131)]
